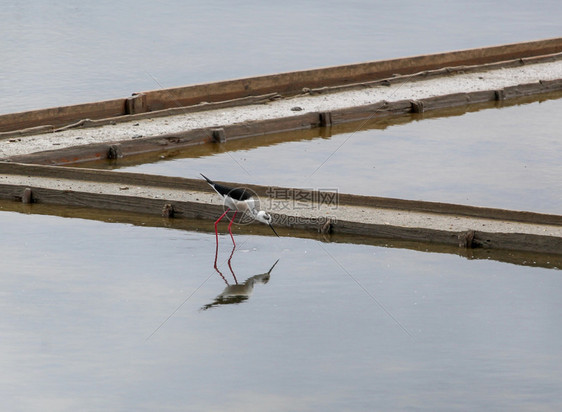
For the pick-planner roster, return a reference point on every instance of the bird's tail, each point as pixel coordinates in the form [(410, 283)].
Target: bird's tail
[(207, 179)]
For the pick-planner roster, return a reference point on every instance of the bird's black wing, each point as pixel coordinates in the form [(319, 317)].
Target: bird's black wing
[(237, 193)]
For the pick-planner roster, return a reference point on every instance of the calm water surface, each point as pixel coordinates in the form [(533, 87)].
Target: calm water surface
[(66, 52), (101, 316), (108, 316)]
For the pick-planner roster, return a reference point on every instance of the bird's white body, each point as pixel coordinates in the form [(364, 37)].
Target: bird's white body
[(240, 200), (245, 206)]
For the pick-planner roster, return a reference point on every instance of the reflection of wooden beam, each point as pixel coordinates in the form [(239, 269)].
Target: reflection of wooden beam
[(284, 83), (443, 223)]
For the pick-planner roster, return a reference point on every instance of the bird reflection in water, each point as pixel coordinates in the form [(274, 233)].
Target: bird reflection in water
[(237, 292)]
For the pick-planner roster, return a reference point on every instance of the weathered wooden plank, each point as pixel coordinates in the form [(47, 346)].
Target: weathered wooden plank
[(551, 85), (170, 141), (100, 151), (395, 232), (353, 114), (187, 209), (481, 97), (507, 241), (184, 139), (294, 82), (449, 208), (174, 141), (415, 205), (201, 107), (141, 179), (27, 132), (134, 204), (59, 116), (433, 73), (103, 176), (531, 89), (284, 83), (441, 102), (147, 220), (263, 127), (520, 241)]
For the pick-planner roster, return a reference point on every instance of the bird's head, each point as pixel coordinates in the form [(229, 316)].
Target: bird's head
[(264, 217)]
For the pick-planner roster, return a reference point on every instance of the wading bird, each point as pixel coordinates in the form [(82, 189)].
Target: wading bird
[(239, 200)]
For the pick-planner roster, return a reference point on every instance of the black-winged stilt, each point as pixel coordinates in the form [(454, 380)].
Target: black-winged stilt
[(239, 200)]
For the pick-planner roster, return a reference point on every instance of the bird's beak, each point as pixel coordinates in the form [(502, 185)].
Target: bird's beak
[(273, 230)]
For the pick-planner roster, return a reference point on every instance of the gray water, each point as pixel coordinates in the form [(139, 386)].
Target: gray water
[(108, 316), (66, 52)]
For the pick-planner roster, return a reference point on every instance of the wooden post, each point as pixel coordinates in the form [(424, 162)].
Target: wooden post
[(27, 196), (136, 104), (417, 106), (466, 239), (325, 119), (219, 135), (114, 152), (168, 210)]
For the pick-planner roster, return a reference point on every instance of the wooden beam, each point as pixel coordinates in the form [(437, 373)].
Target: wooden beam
[(283, 83), (179, 140), (59, 116), (147, 220), (200, 210), (179, 183)]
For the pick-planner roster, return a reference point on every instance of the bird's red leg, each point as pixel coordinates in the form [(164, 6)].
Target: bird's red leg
[(230, 225), (217, 255), (217, 222)]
